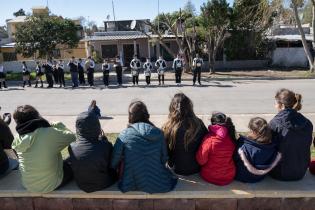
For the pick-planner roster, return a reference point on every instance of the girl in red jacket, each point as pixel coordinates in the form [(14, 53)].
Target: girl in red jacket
[(215, 154)]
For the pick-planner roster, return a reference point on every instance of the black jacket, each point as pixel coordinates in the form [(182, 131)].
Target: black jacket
[(254, 161), (184, 161), (292, 133), (90, 156), (6, 139)]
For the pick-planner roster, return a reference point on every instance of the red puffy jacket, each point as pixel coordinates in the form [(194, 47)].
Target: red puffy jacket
[(215, 155)]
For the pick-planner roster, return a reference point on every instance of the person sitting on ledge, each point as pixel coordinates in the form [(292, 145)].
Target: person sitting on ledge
[(39, 145), (292, 132), (215, 154), (140, 153), (90, 155), (184, 132), (256, 155), (7, 163)]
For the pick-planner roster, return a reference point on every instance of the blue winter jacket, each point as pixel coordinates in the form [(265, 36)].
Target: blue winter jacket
[(253, 160), (141, 149)]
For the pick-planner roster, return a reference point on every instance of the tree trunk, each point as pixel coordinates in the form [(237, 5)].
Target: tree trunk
[(304, 42)]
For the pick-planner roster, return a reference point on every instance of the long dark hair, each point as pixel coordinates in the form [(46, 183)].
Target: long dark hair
[(138, 112), (289, 99), (181, 112), (218, 118)]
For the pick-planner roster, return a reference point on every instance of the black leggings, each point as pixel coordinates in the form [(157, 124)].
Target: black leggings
[(106, 79), (148, 79), (178, 75), (62, 78), (135, 79), (90, 76), (161, 78), (119, 75), (67, 174), (197, 73)]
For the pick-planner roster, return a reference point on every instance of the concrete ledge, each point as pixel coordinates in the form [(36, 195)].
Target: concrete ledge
[(191, 187), (191, 194)]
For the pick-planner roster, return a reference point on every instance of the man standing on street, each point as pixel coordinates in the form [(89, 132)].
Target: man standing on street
[(74, 72), (197, 68), (90, 65)]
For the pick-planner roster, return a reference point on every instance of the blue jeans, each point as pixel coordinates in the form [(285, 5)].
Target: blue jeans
[(74, 78)]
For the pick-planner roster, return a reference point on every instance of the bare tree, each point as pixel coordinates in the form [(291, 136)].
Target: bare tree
[(295, 4)]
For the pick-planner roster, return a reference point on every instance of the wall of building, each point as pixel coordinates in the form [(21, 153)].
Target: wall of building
[(289, 57)]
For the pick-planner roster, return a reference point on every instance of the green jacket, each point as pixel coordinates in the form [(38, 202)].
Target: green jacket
[(39, 152)]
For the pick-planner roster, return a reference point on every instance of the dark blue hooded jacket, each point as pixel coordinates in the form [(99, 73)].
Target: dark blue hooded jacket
[(141, 148), (292, 132), (254, 160)]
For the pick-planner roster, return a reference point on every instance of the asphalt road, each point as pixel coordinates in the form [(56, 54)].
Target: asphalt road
[(234, 97)]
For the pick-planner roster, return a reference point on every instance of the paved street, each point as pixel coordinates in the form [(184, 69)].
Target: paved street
[(241, 99)]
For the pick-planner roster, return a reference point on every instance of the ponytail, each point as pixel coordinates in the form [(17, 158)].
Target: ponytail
[(298, 105), (289, 99), (231, 128)]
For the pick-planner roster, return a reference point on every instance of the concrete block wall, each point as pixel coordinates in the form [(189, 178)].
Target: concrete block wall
[(157, 204)]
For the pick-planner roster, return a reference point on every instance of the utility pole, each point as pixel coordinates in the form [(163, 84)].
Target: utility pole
[(114, 13), (47, 4), (159, 16)]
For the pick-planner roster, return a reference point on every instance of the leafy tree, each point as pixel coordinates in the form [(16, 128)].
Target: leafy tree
[(250, 21), (216, 19), (20, 12), (40, 36)]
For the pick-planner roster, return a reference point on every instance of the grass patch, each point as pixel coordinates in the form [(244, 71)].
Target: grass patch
[(113, 136), (13, 76)]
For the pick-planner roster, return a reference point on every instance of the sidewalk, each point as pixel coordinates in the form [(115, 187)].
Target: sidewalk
[(115, 124)]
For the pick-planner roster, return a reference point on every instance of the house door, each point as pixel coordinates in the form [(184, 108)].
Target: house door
[(129, 53)]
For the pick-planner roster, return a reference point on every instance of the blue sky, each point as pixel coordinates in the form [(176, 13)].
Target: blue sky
[(96, 10)]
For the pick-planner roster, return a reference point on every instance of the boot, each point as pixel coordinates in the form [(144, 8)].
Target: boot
[(36, 84), (4, 84), (0, 85), (42, 84), (24, 83), (29, 83)]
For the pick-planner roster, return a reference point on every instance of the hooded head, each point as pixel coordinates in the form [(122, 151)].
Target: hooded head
[(88, 127)]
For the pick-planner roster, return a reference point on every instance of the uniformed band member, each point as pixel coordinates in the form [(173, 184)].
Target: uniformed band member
[(148, 67), (178, 65), (90, 65), (26, 75), (197, 68), (74, 72), (81, 72), (118, 68), (160, 64), (61, 72), (2, 77), (135, 66), (49, 73), (39, 75), (106, 70), (55, 72)]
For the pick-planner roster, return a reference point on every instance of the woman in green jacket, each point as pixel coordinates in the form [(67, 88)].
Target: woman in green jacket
[(39, 145)]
